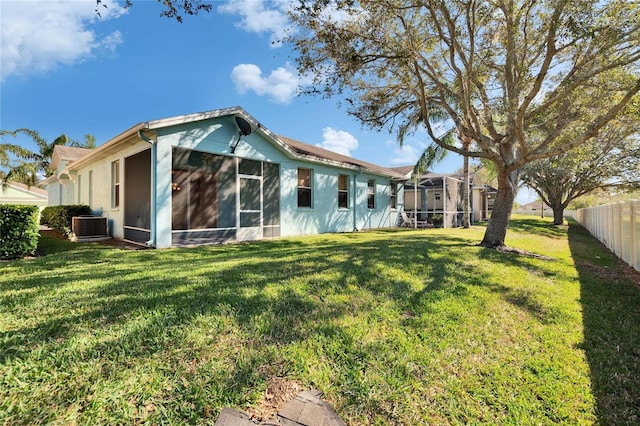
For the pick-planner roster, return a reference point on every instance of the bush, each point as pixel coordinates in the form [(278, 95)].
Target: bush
[(59, 217), (18, 231)]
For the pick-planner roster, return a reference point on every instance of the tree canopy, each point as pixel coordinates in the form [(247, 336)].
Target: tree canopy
[(611, 160), (20, 164), (499, 69), (173, 9)]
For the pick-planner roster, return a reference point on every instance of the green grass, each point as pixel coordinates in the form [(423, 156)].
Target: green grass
[(396, 327)]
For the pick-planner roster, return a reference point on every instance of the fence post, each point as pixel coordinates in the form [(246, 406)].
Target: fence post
[(607, 224), (619, 220)]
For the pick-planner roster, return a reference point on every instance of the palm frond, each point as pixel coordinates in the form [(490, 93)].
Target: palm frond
[(432, 155)]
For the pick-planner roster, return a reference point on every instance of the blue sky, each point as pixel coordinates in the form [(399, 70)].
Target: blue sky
[(65, 70)]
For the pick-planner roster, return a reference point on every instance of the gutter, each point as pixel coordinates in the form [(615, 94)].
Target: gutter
[(154, 156)]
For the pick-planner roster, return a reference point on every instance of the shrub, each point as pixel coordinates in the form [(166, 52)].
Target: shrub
[(59, 217), (18, 231)]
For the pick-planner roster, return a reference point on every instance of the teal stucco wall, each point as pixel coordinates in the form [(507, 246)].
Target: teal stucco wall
[(215, 136)]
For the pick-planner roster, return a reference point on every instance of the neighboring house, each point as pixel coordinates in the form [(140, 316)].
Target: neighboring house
[(61, 193), (534, 208), (441, 194), (218, 176), (19, 193)]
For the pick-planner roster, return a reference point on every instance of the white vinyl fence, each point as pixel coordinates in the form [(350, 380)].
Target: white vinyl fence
[(617, 226)]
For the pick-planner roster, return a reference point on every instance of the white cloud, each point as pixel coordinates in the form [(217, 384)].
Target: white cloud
[(338, 141), (406, 155), (259, 18), (281, 86), (38, 36)]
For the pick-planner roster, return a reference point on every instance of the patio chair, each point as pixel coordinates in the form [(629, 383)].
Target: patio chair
[(406, 220)]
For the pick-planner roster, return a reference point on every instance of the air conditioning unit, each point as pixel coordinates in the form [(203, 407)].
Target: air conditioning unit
[(89, 228)]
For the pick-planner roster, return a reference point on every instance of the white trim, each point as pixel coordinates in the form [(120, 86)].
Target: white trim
[(179, 231), (103, 150), (135, 228), (199, 116)]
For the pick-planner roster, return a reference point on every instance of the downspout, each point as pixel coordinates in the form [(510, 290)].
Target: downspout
[(152, 239)]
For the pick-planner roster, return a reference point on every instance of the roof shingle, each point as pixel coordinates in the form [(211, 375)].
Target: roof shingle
[(325, 154)]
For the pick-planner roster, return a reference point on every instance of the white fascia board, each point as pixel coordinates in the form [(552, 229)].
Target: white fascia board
[(47, 181), (28, 191), (98, 153), (200, 116)]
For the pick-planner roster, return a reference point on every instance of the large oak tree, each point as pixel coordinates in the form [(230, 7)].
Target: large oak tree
[(496, 67), (611, 160)]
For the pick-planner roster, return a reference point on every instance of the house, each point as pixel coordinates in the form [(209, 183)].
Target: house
[(536, 207), (218, 176), (61, 193), (19, 193), (442, 194)]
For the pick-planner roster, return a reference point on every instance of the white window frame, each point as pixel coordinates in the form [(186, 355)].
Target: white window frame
[(90, 187), (393, 196), (79, 189), (343, 191), (115, 184), (309, 188), (371, 192)]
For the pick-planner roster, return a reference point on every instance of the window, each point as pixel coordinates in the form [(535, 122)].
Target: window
[(304, 188), (343, 191), (394, 195), (436, 196), (115, 184), (79, 189), (90, 187), (371, 194)]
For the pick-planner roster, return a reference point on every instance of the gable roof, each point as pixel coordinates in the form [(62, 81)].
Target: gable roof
[(533, 205), (33, 190), (19, 193), (67, 153), (403, 170), (291, 147)]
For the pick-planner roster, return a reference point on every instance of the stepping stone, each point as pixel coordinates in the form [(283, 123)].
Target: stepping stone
[(231, 417), (308, 409)]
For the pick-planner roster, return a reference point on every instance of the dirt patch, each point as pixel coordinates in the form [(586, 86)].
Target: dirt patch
[(52, 234), (620, 271), (111, 242), (520, 252), (280, 391)]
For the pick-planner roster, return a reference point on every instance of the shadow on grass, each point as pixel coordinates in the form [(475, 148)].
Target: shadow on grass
[(538, 226), (610, 297), (127, 307), (253, 306)]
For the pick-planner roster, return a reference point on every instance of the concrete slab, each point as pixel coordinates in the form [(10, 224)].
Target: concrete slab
[(308, 409), (231, 417)]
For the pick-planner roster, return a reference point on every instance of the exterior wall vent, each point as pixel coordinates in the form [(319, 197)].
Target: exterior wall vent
[(89, 228)]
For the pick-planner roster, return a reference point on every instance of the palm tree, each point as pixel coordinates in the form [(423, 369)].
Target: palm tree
[(435, 153), (23, 165), (466, 204)]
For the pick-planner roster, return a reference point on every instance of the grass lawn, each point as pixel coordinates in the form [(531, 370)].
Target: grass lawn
[(396, 327)]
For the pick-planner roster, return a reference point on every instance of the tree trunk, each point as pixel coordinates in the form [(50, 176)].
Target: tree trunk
[(497, 228), (558, 215), (465, 194)]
